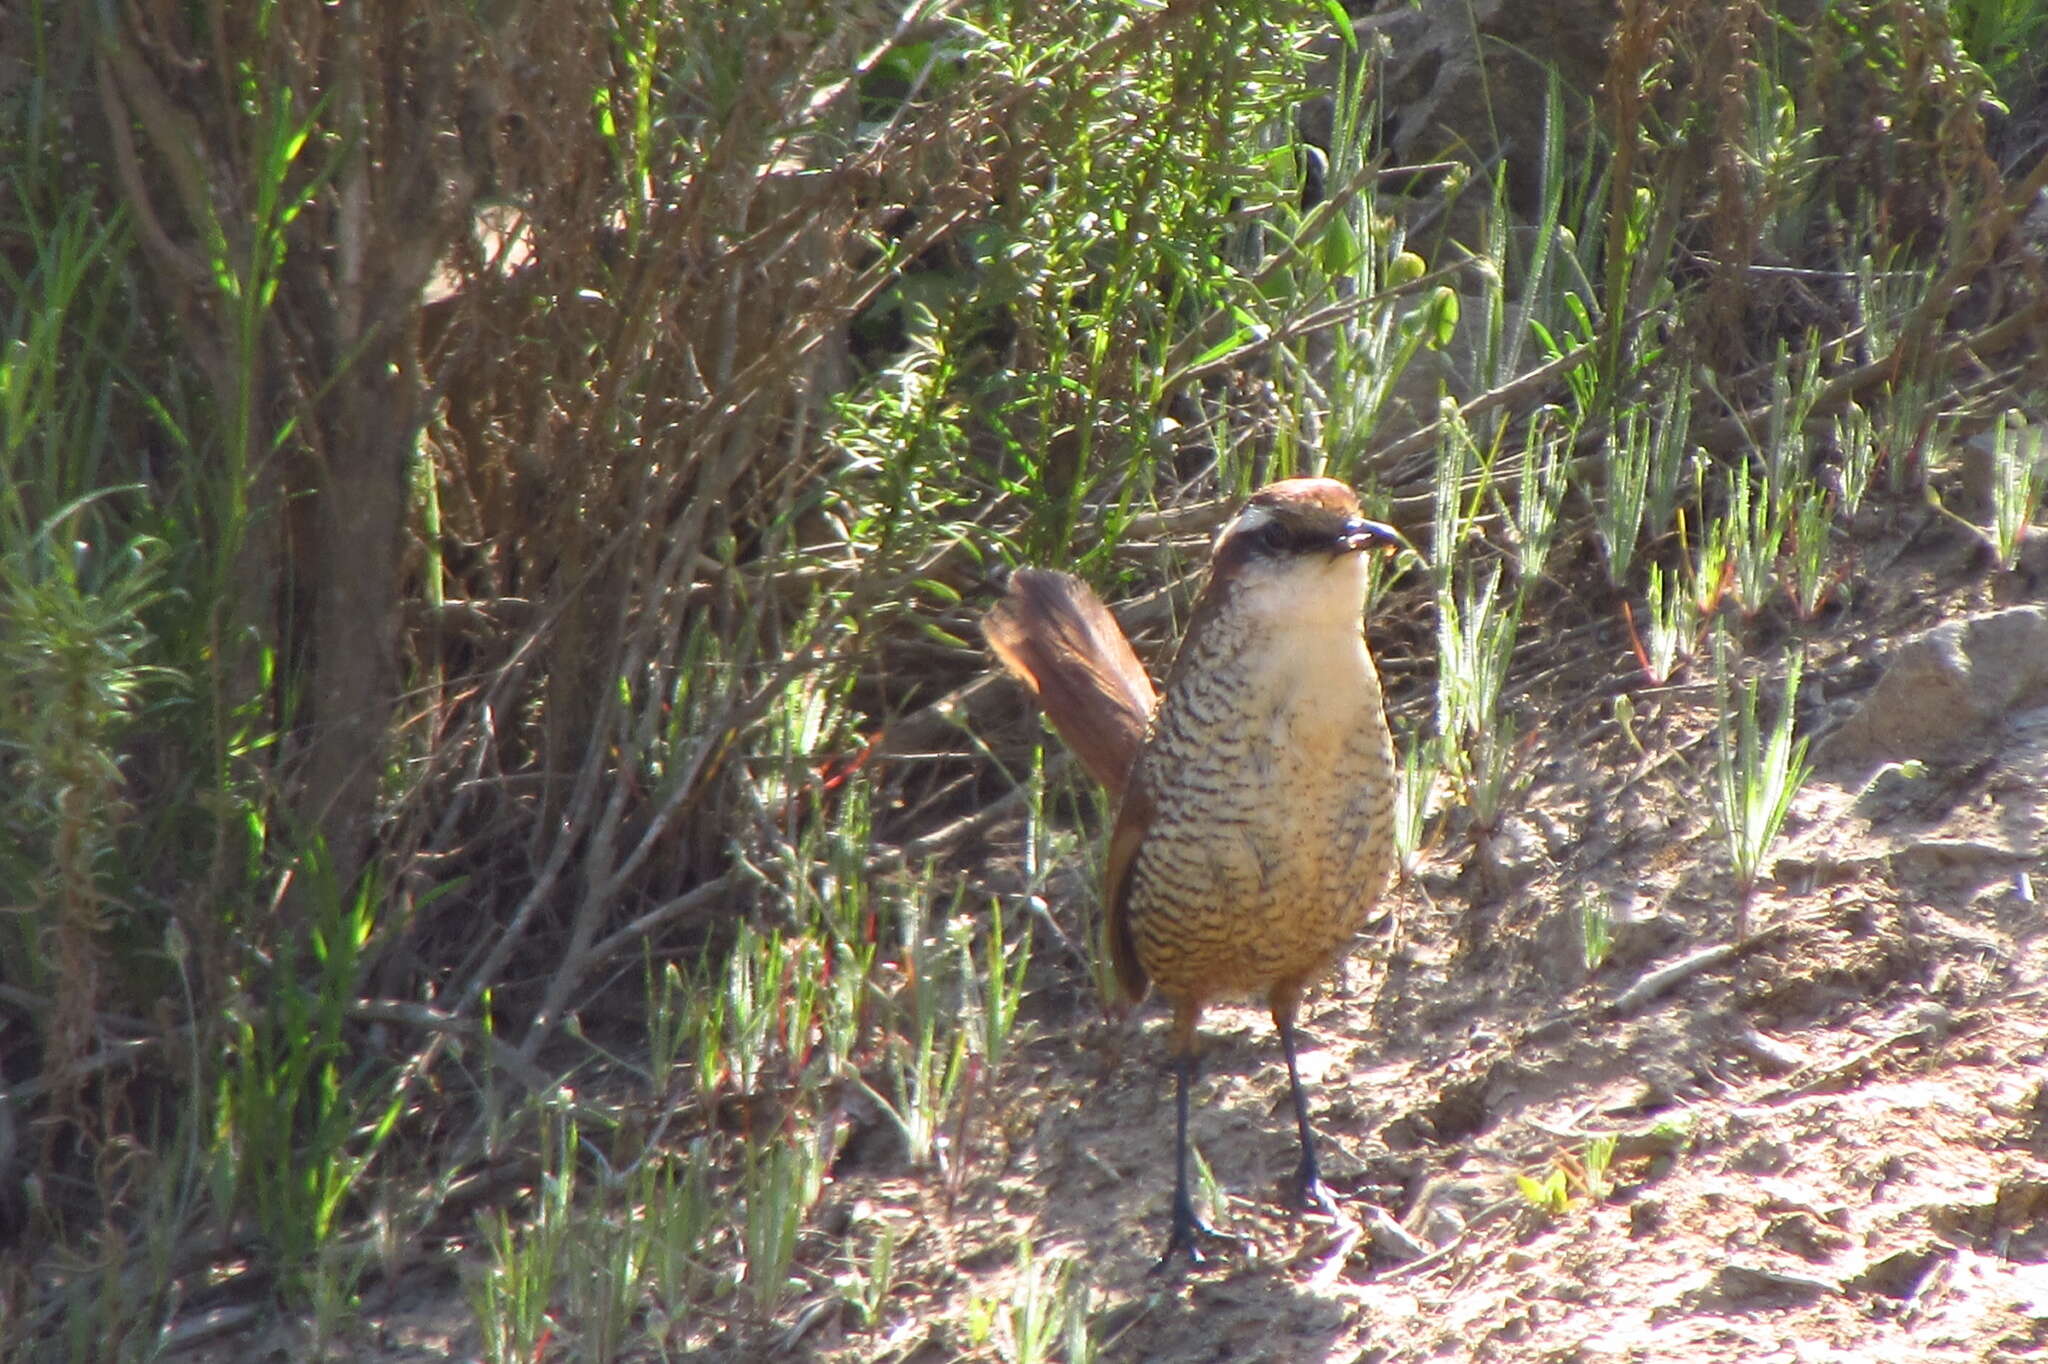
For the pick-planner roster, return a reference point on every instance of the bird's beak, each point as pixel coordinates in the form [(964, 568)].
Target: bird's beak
[(1360, 534)]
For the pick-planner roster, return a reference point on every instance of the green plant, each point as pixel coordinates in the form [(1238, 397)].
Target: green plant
[(1421, 760), (868, 1280), (1598, 1159), (669, 1220), (513, 1294), (1757, 772), (1208, 1192), (928, 1057), (1048, 1312), (1596, 930), (1756, 520), (1001, 974), (1349, 262), (1855, 439), (295, 1127), (1584, 1174), (1545, 477), (1795, 386), (1812, 530), (1618, 511), (2019, 474), (1913, 423), (1549, 1194), (1709, 564), (2004, 37), (1671, 626), (1477, 625), (779, 1181), (1671, 458)]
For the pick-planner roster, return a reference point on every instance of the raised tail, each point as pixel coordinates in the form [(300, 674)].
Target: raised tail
[(1056, 637)]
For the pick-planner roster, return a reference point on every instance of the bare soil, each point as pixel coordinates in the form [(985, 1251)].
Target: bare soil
[(1831, 1143)]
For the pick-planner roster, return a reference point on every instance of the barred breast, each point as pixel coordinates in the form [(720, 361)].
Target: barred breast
[(1272, 772)]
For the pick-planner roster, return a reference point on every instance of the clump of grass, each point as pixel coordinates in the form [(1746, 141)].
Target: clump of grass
[(1709, 564), (1670, 628), (1757, 771), (1618, 512), (1756, 516), (1815, 574), (292, 1136), (1478, 619), (779, 1182), (1421, 759), (1545, 478), (1047, 1316), (2019, 474), (869, 1279), (1596, 930), (1476, 630), (1855, 440), (513, 1295)]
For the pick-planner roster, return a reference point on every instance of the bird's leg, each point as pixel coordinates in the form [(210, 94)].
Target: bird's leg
[(1309, 1178), (1186, 1228)]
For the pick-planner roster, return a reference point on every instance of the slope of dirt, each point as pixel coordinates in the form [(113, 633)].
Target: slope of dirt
[(1832, 1144)]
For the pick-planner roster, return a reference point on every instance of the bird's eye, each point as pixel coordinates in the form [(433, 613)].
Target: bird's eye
[(1275, 537)]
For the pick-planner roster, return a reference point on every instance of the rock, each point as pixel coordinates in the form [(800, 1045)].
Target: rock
[(1741, 1283), (1464, 79), (1943, 694), (1900, 1274)]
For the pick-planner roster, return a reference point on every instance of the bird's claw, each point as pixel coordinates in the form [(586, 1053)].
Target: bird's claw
[(1184, 1238), (1313, 1193)]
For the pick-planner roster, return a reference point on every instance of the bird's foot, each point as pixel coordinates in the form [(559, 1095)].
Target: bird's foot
[(1186, 1235), (1313, 1193), (1336, 1233)]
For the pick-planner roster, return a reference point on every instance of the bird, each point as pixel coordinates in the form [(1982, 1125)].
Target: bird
[(1253, 839)]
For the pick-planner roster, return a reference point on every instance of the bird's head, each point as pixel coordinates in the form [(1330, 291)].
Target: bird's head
[(1297, 551)]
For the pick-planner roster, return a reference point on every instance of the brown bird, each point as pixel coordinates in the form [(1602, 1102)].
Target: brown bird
[(1254, 835)]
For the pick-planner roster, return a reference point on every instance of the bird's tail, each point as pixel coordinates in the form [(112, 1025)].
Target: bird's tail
[(1056, 637)]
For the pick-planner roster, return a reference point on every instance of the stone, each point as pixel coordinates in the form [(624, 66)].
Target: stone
[(1944, 694)]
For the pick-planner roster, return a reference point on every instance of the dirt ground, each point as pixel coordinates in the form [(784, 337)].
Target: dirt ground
[(1830, 1145)]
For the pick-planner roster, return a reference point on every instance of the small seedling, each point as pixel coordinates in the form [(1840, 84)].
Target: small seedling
[(1812, 527), (1421, 763), (2018, 476), (1546, 474), (1208, 1191), (1550, 1195), (780, 1180), (1618, 515), (1757, 774), (1625, 721), (1583, 1174), (1709, 565), (1856, 444), (1756, 521), (1594, 1163), (869, 1279), (1672, 627), (1596, 930), (1043, 1307)]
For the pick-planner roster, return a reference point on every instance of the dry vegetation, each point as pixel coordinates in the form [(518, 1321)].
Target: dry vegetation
[(507, 846)]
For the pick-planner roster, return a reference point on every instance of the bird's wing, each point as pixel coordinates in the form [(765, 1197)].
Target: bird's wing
[(1133, 822)]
